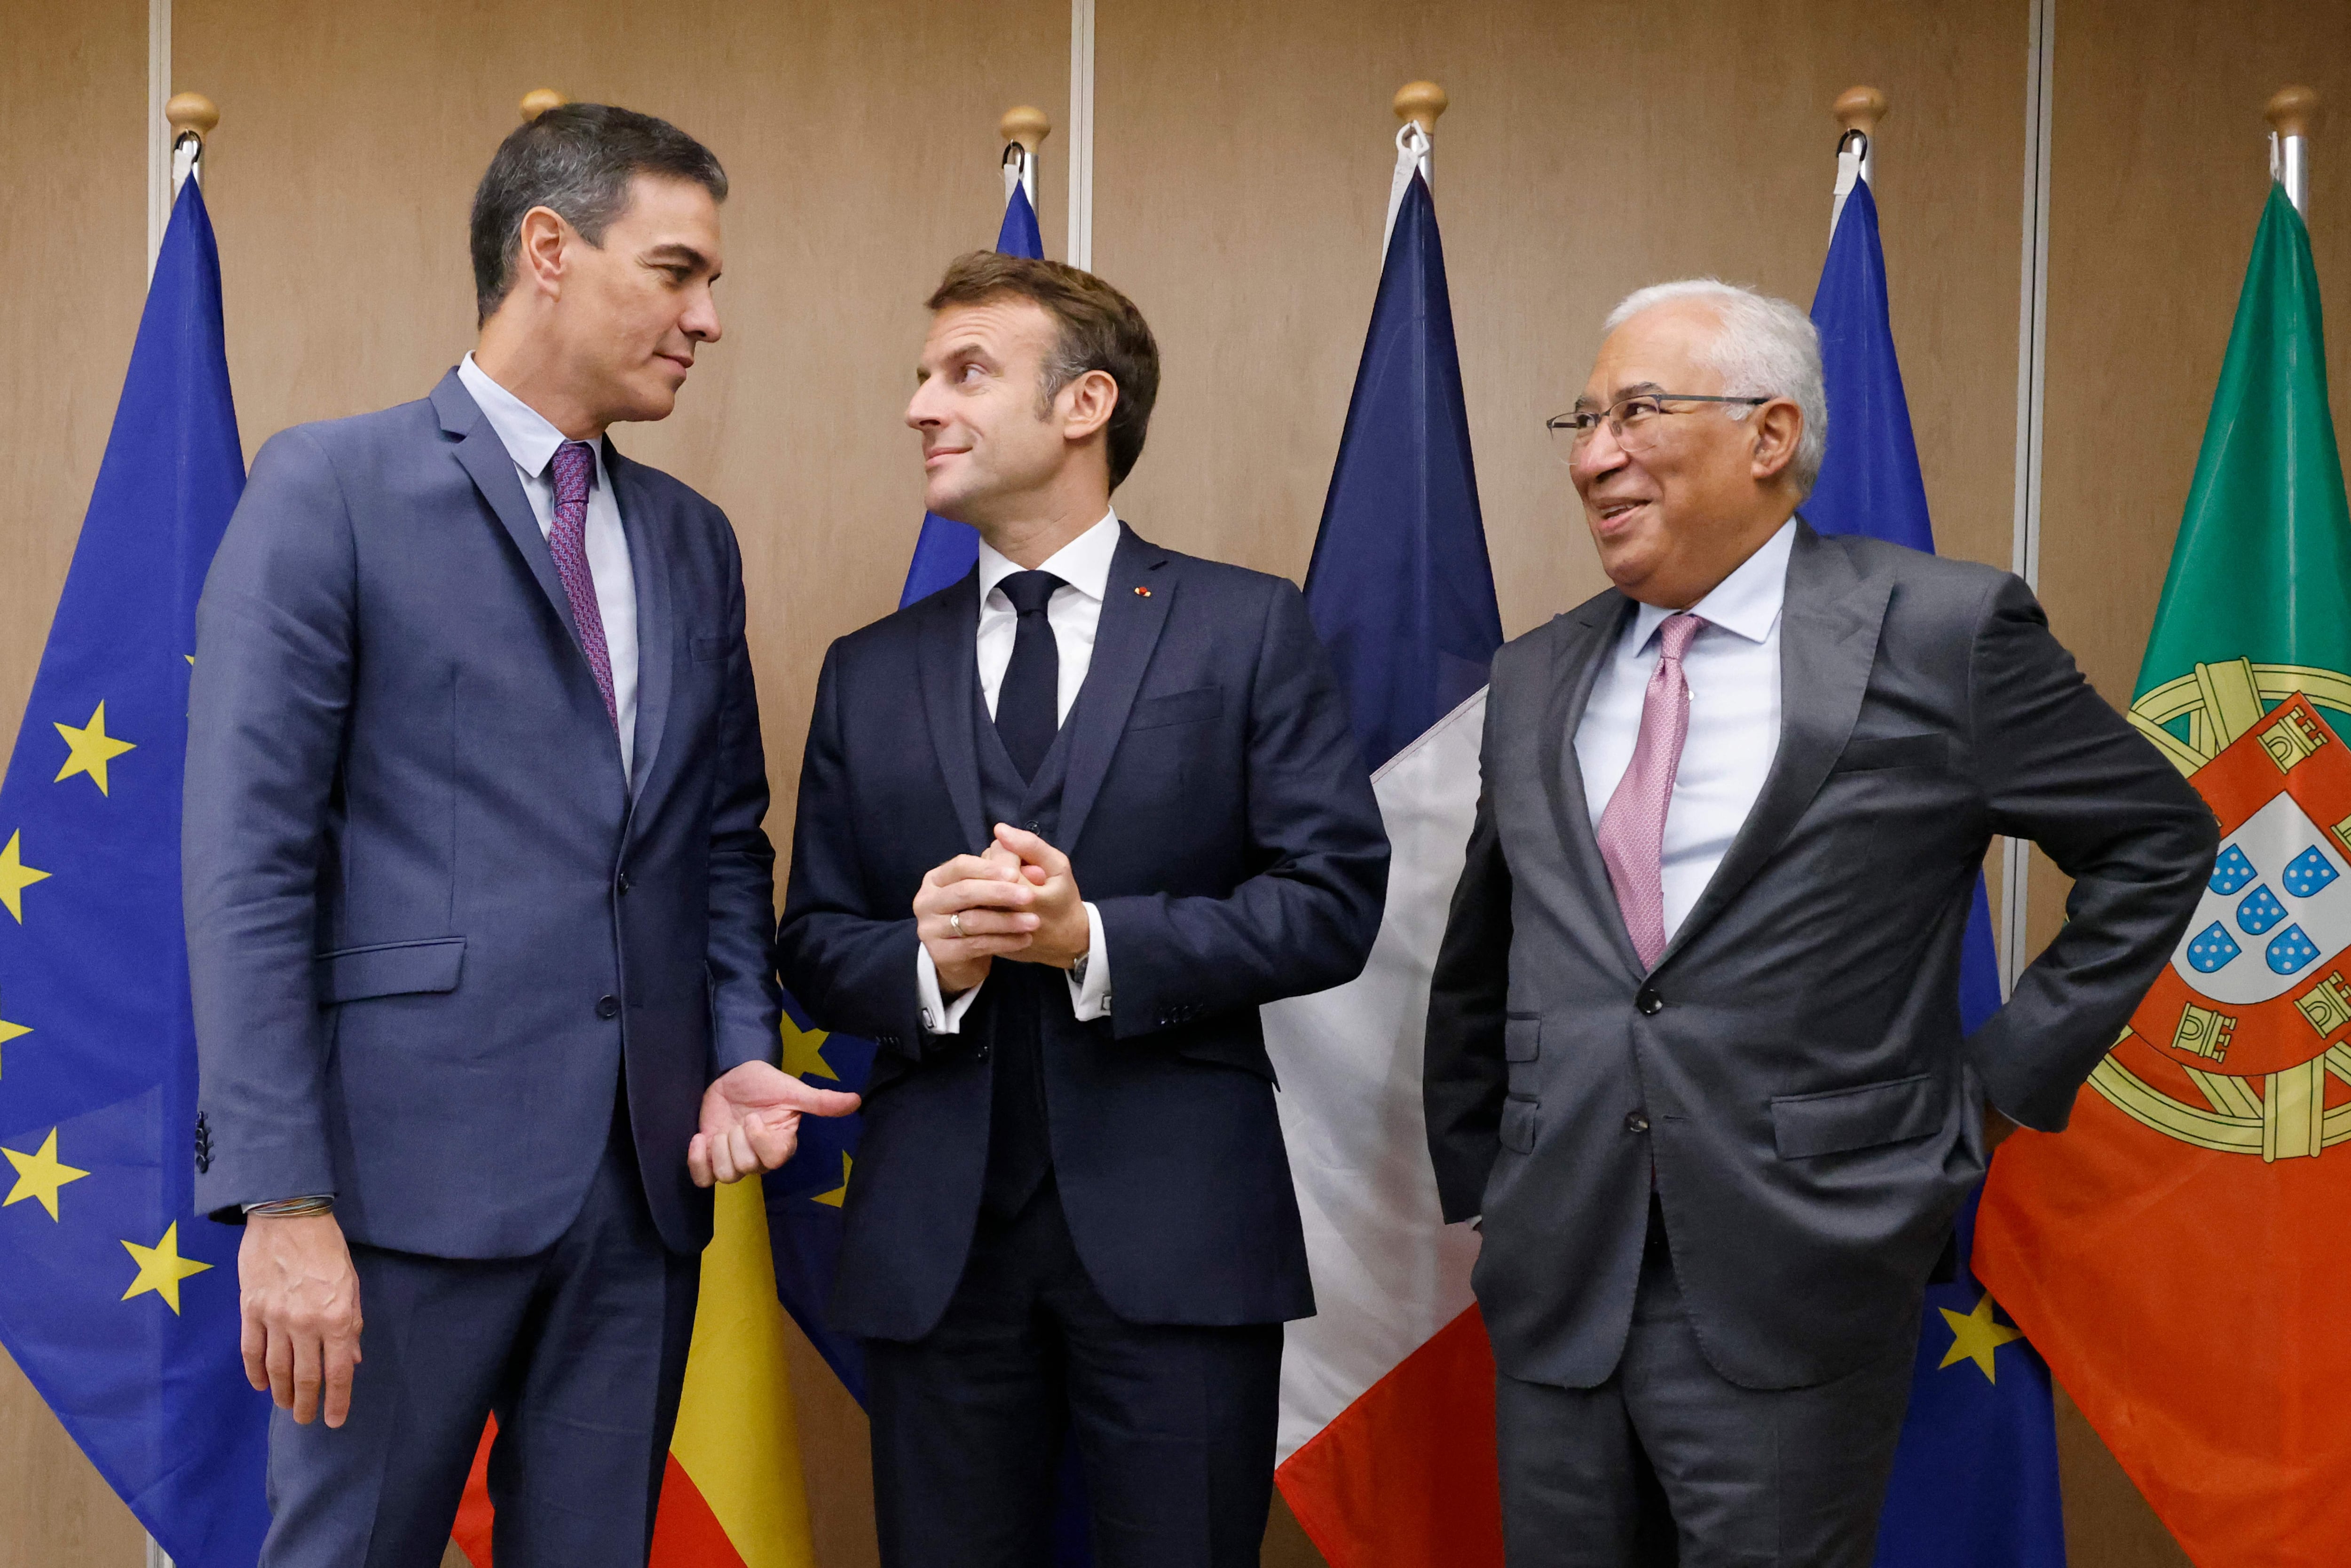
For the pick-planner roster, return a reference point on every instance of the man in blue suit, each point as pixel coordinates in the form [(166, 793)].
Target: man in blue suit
[(478, 902), (1063, 828)]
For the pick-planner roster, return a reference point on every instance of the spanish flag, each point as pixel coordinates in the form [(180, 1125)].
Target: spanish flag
[(732, 1496), (2178, 1254)]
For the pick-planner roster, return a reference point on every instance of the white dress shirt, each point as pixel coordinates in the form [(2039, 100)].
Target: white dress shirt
[(532, 442), (1073, 612), (1733, 670)]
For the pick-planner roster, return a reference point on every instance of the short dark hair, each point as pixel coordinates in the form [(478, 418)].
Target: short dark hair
[(1100, 329), (576, 161)]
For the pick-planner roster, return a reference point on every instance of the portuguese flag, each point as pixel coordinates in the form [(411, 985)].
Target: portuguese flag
[(2182, 1254)]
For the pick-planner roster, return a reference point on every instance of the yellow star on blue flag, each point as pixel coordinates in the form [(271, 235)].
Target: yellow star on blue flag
[(89, 748)]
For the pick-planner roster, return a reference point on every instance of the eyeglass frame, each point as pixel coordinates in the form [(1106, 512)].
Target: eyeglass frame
[(1560, 422)]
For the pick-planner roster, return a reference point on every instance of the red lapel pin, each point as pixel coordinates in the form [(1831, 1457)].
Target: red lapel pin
[(1142, 592)]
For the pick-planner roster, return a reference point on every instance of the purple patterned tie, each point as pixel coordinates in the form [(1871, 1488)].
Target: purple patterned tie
[(574, 463), (1632, 829)]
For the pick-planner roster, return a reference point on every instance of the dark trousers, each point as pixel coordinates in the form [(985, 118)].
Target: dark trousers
[(1173, 1426), (579, 1351), (1669, 1465)]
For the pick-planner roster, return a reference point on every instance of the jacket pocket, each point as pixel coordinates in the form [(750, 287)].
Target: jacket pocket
[(1518, 1124), (1872, 754), (1804, 1126), (390, 969), (1178, 708)]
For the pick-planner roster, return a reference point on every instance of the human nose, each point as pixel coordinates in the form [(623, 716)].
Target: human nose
[(1601, 452), (919, 412), (700, 322)]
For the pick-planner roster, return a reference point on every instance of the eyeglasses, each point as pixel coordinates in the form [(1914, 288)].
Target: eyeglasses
[(1633, 420)]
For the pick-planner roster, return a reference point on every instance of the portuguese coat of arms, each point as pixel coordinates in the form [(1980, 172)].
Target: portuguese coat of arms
[(2243, 1045)]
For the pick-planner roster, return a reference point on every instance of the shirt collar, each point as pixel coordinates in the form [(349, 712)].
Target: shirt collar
[(1083, 563), (526, 434), (1745, 603)]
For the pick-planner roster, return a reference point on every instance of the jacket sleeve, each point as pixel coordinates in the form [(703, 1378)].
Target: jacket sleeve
[(1307, 921), (1463, 1074), (2059, 765), (744, 1005), (850, 966), (277, 646)]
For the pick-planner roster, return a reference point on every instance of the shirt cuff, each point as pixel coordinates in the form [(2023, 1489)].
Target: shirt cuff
[(939, 1015), (1091, 1000)]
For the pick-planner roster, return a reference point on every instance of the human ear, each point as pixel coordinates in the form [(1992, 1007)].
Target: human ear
[(1778, 425), (1087, 404), (541, 259)]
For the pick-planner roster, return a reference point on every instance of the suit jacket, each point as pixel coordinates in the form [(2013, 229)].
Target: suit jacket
[(1216, 812), (428, 919), (1792, 1069)]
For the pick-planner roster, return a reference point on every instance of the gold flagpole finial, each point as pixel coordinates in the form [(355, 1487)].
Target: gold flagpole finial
[(1859, 108), (191, 114), (1421, 103), (2293, 112), (1025, 125), (539, 100)]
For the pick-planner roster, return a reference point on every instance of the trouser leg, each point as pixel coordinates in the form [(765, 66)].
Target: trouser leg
[(590, 1396), (1758, 1478), (1577, 1491), (1176, 1425), (381, 1490), (968, 1422)]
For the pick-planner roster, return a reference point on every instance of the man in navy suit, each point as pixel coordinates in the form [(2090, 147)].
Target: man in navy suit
[(478, 902), (1063, 828)]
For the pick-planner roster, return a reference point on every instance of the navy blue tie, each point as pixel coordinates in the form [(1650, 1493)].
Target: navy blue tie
[(1028, 703)]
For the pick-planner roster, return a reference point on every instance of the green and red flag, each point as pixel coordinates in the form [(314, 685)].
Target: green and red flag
[(2180, 1254)]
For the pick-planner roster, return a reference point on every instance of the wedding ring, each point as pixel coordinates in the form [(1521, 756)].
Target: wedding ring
[(955, 920)]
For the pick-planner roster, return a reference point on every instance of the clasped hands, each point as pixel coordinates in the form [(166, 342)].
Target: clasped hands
[(1016, 899)]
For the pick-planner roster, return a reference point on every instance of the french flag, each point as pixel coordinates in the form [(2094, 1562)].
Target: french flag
[(1386, 1445)]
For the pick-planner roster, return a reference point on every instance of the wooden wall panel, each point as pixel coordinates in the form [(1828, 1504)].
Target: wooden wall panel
[(2159, 179), (73, 118), (1243, 175)]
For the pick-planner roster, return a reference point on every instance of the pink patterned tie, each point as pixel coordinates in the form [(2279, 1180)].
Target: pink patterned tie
[(574, 463), (1632, 829)]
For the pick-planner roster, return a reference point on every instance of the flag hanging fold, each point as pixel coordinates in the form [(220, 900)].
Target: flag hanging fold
[(118, 1300), (2177, 1253), (1386, 1445), (1975, 1477)]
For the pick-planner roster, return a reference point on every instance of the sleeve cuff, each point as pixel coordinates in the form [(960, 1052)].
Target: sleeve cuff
[(939, 1015), (1091, 999)]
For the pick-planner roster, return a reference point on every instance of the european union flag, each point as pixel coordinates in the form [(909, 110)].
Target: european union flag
[(945, 550), (116, 1298), (1975, 1479)]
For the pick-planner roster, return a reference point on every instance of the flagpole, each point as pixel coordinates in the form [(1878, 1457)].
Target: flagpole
[(2293, 115), (1024, 129), (1857, 110), (192, 117)]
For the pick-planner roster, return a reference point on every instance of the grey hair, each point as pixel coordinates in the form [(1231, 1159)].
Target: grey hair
[(1767, 347)]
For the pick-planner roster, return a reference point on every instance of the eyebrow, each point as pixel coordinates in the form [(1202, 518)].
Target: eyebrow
[(1636, 389)]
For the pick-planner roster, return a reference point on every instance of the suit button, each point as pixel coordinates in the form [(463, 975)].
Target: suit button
[(1032, 827), (624, 882), (608, 1006), (1649, 1002), (1635, 1122), (980, 1053)]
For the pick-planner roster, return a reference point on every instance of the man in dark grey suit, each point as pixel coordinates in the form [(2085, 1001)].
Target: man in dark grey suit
[(1694, 1048), (478, 901)]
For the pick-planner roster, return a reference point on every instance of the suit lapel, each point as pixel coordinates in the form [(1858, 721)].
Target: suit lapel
[(1587, 640), (948, 659), (657, 640), (1829, 623), (1136, 602), (485, 457)]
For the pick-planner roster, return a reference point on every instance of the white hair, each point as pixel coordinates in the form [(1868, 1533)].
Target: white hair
[(1766, 348)]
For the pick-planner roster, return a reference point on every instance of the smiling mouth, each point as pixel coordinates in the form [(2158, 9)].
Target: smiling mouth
[(1614, 514)]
